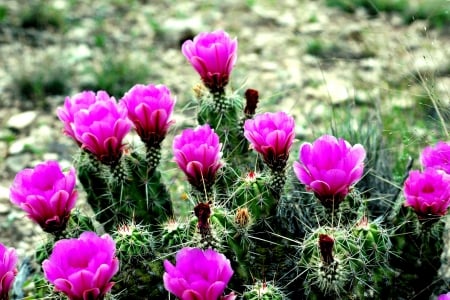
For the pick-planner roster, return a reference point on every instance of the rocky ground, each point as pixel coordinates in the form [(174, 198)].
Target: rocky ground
[(302, 56)]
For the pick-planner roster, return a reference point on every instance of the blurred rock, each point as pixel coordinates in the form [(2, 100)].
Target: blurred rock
[(17, 163), (20, 145), (5, 204), (4, 208), (176, 31), (22, 120), (332, 90)]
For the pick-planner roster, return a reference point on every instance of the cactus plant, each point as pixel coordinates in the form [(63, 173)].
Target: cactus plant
[(259, 224)]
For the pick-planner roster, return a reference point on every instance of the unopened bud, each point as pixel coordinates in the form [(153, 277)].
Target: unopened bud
[(326, 244), (203, 212), (242, 217), (251, 97)]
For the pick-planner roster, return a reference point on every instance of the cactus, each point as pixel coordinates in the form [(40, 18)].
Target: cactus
[(140, 193), (263, 291), (320, 228), (252, 192), (136, 249)]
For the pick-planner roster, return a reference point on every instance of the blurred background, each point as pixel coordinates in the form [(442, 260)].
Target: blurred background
[(382, 63)]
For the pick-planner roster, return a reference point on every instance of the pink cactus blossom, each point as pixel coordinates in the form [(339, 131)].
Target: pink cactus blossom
[(74, 104), (271, 135), (46, 194), (213, 55), (102, 128), (8, 270), (444, 296), (198, 274), (329, 167), (82, 268), (437, 156), (97, 123), (427, 192), (150, 109), (197, 153)]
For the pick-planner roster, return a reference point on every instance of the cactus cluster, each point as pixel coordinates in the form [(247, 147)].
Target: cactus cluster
[(307, 230)]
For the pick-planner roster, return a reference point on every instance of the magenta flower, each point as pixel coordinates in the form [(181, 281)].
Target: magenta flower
[(197, 153), (271, 135), (198, 274), (150, 109), (8, 270), (97, 123), (74, 104), (444, 296), (101, 128), (46, 194), (427, 192), (82, 268), (437, 157), (213, 55), (329, 167)]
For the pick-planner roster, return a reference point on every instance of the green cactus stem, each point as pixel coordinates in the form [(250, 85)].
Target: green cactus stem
[(331, 262), (221, 102), (223, 113), (117, 193), (141, 267), (263, 290), (416, 260), (153, 157), (253, 192), (91, 174), (174, 233), (277, 179)]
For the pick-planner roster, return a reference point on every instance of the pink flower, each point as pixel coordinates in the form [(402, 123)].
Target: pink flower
[(8, 271), (46, 194), (437, 157), (150, 109), (198, 274), (197, 153), (444, 296), (82, 268), (427, 192), (271, 135), (213, 55), (74, 104), (329, 167), (101, 127)]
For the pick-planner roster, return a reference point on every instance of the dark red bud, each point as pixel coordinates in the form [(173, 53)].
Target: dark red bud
[(251, 97), (326, 244), (203, 211)]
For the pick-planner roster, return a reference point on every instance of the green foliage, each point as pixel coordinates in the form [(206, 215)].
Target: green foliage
[(324, 49), (33, 87), (3, 13), (373, 7), (436, 12), (41, 15), (316, 47), (8, 136)]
